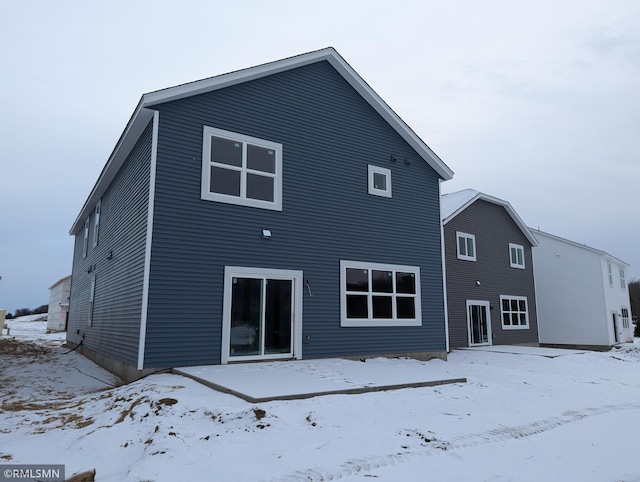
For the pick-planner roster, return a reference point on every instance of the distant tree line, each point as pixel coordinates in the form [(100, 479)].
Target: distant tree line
[(26, 311), (634, 298)]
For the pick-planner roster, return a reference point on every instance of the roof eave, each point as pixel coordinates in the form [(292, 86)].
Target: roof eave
[(136, 125), (500, 202), (144, 113), (335, 59)]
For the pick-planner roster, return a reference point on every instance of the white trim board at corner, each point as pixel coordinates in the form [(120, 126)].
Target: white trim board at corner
[(526, 350), (289, 380)]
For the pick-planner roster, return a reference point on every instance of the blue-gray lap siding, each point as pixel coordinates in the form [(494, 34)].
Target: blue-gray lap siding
[(493, 229), (115, 331), (329, 136)]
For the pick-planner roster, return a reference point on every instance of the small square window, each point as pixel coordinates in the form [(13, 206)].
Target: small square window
[(379, 181), (516, 255), (466, 246)]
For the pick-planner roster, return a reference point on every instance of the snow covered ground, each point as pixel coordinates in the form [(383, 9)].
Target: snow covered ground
[(519, 418)]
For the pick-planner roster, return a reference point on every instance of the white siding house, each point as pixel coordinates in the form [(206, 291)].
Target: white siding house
[(582, 294), (59, 304)]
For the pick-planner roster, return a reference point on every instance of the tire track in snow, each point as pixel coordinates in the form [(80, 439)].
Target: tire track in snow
[(435, 446)]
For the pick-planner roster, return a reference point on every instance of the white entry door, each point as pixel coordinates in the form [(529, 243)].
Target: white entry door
[(262, 315), (479, 322)]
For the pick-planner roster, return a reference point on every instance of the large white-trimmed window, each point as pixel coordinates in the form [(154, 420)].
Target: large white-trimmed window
[(516, 255), (625, 317), (373, 294), (96, 222), (623, 278), (379, 181), (239, 169), (466, 246), (515, 314), (85, 239)]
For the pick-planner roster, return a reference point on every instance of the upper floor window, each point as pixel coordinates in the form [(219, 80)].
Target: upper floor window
[(623, 278), (239, 169), (379, 181), (610, 274), (375, 294), (515, 314), (85, 239), (466, 246), (96, 222), (516, 255)]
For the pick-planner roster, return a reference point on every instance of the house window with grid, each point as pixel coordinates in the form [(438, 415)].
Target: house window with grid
[(515, 314), (516, 255), (375, 294), (240, 169), (625, 317), (623, 278), (466, 246)]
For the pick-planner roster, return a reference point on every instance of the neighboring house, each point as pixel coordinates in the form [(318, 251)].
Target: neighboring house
[(59, 293), (583, 298), (282, 211), (491, 297)]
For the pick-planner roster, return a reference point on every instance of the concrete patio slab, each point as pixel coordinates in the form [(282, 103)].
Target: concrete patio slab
[(290, 380), (526, 350)]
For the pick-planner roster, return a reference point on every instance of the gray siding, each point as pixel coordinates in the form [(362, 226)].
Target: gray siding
[(494, 230), (329, 136), (118, 295)]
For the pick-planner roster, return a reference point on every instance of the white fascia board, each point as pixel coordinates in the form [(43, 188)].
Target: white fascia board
[(329, 54), (500, 202), (538, 233), (136, 125)]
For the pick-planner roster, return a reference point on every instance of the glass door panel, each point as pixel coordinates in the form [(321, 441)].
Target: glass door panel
[(261, 317), (277, 316), (246, 317), (478, 324)]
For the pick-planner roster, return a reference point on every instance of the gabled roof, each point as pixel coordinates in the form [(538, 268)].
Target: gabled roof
[(454, 203), (61, 280), (539, 234), (144, 113)]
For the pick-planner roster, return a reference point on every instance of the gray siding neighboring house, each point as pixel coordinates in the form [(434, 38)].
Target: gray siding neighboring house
[(491, 297), (282, 211)]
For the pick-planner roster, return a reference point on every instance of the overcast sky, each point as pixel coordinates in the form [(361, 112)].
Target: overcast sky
[(535, 102)]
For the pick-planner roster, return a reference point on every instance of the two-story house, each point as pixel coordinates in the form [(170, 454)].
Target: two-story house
[(281, 211), (583, 298), (491, 298)]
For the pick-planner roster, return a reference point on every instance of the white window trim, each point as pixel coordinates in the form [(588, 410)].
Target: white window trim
[(511, 262), (85, 239), (92, 297), (610, 273), (385, 172), (231, 272), (96, 222), (206, 194), (349, 322), (466, 236), (512, 327), (625, 319), (623, 278)]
